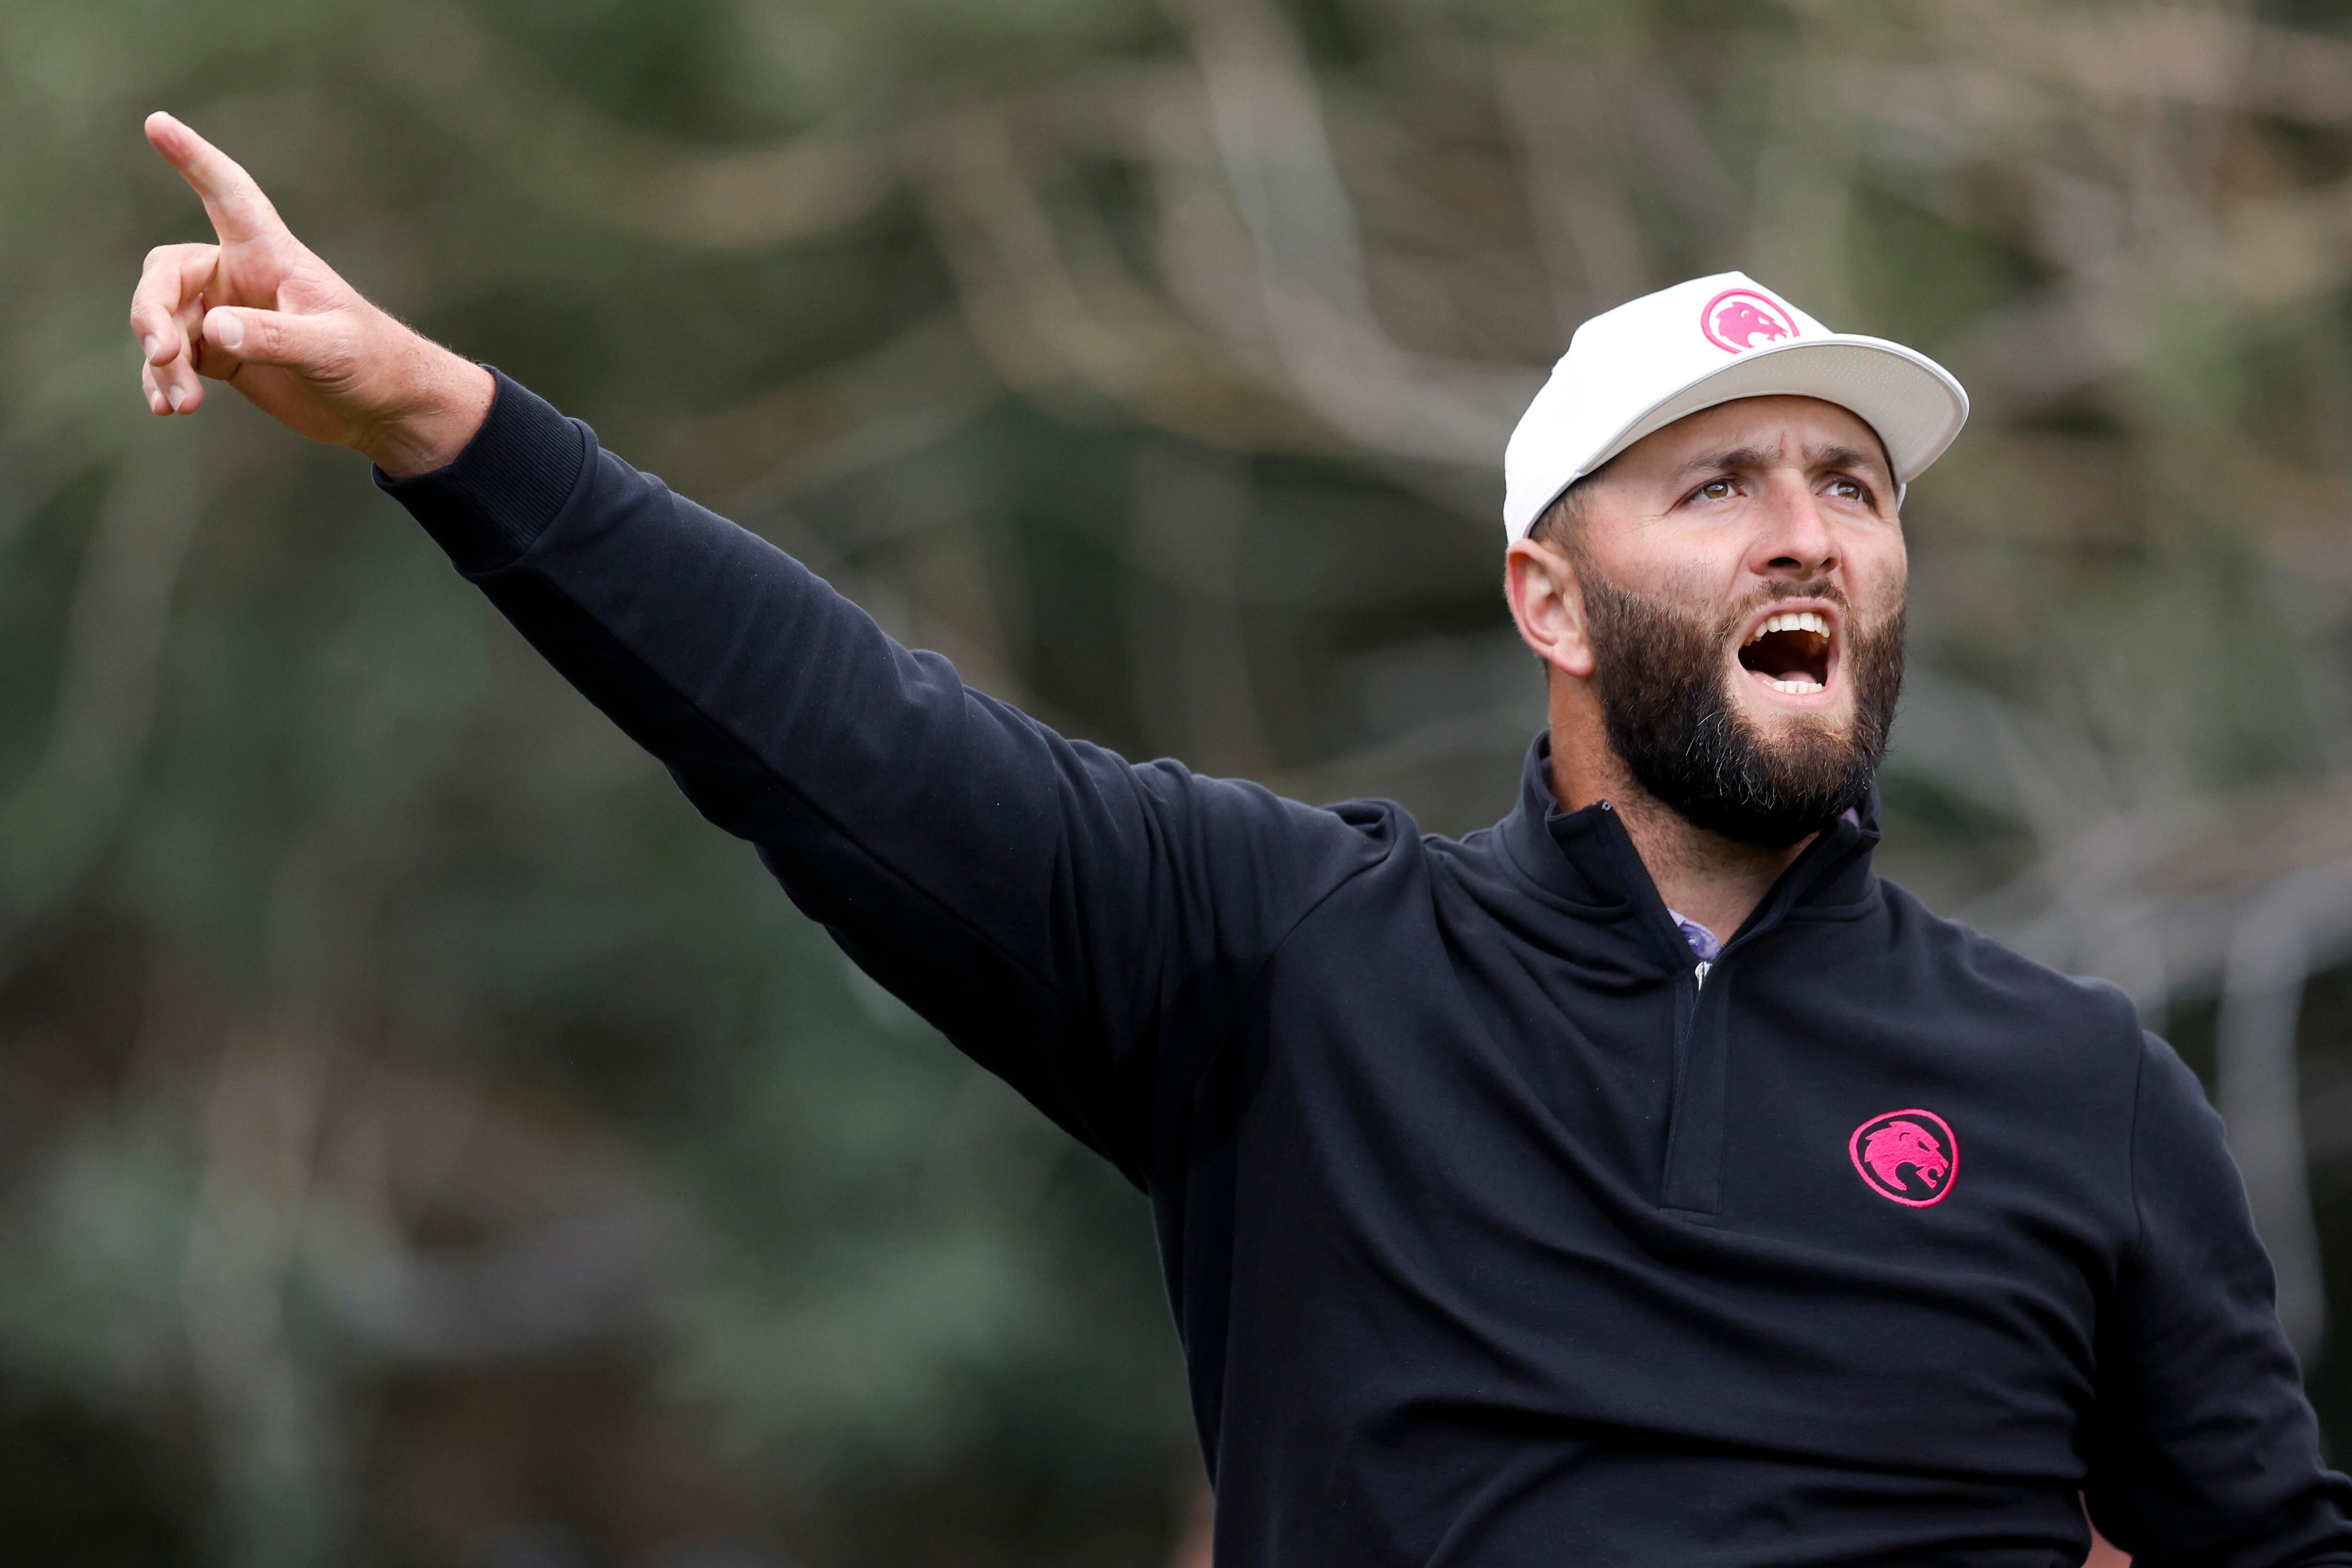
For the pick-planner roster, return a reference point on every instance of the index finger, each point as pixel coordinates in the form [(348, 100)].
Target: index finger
[(232, 200)]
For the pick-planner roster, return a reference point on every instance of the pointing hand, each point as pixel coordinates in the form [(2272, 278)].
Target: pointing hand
[(258, 309)]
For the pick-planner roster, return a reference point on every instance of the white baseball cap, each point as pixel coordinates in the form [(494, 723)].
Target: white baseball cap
[(1641, 366)]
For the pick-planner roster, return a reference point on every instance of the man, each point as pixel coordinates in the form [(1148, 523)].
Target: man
[(1640, 1180)]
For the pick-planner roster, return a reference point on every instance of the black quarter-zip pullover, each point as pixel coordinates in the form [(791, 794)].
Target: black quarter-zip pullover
[(1493, 1235)]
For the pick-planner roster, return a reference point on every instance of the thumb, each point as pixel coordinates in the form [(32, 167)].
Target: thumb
[(313, 346)]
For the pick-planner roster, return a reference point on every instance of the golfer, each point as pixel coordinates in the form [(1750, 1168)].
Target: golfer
[(1640, 1180)]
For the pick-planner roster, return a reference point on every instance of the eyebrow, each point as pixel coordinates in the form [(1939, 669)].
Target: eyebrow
[(1835, 456), (1732, 461)]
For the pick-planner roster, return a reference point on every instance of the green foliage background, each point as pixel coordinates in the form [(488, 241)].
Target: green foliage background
[(422, 1141)]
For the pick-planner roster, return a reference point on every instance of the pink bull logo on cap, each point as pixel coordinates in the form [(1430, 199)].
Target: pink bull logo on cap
[(1739, 319), (1919, 1142)]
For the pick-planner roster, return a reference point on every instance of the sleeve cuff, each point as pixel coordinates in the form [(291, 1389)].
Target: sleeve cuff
[(493, 501)]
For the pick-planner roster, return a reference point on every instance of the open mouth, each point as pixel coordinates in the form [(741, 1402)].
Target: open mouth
[(1790, 651)]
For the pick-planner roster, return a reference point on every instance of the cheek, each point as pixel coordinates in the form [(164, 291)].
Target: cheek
[(1881, 574), (1699, 577)]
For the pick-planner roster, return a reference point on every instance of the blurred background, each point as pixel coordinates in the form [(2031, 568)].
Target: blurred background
[(423, 1142)]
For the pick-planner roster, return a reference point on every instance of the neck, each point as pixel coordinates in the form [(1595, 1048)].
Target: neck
[(1702, 875)]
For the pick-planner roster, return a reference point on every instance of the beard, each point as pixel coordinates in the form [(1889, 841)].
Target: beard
[(1663, 677)]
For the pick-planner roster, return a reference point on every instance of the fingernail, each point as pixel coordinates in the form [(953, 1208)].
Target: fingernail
[(148, 344), (175, 394), (232, 332), (155, 401)]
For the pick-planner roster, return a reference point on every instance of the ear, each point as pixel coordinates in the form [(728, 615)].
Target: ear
[(1548, 602)]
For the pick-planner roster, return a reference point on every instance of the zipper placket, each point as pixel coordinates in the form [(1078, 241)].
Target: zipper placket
[(1695, 1120), (1686, 1021), (1695, 1107)]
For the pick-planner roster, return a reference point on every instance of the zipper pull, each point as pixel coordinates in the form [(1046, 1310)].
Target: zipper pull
[(1698, 976)]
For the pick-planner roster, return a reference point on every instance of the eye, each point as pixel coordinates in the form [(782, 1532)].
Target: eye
[(1715, 490), (1850, 489)]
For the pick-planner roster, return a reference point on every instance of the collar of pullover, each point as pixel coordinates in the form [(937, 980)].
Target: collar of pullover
[(1587, 857)]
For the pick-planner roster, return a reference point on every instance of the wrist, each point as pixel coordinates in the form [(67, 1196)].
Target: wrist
[(441, 402)]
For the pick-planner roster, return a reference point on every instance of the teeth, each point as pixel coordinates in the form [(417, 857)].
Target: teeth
[(1793, 621), (1793, 687)]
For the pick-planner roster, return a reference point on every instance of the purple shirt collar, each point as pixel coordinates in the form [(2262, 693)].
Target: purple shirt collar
[(1703, 944)]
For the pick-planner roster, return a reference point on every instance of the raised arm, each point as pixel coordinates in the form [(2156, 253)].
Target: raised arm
[(1086, 928)]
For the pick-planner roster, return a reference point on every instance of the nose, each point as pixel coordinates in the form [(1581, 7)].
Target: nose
[(1794, 537)]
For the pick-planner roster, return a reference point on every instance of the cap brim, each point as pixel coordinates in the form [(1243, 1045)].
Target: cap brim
[(1915, 404)]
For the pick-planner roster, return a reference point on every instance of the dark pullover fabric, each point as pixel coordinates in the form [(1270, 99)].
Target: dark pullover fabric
[(1494, 1233)]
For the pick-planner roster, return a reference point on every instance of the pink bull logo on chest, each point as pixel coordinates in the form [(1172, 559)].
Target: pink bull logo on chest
[(1919, 1142), (1738, 319)]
